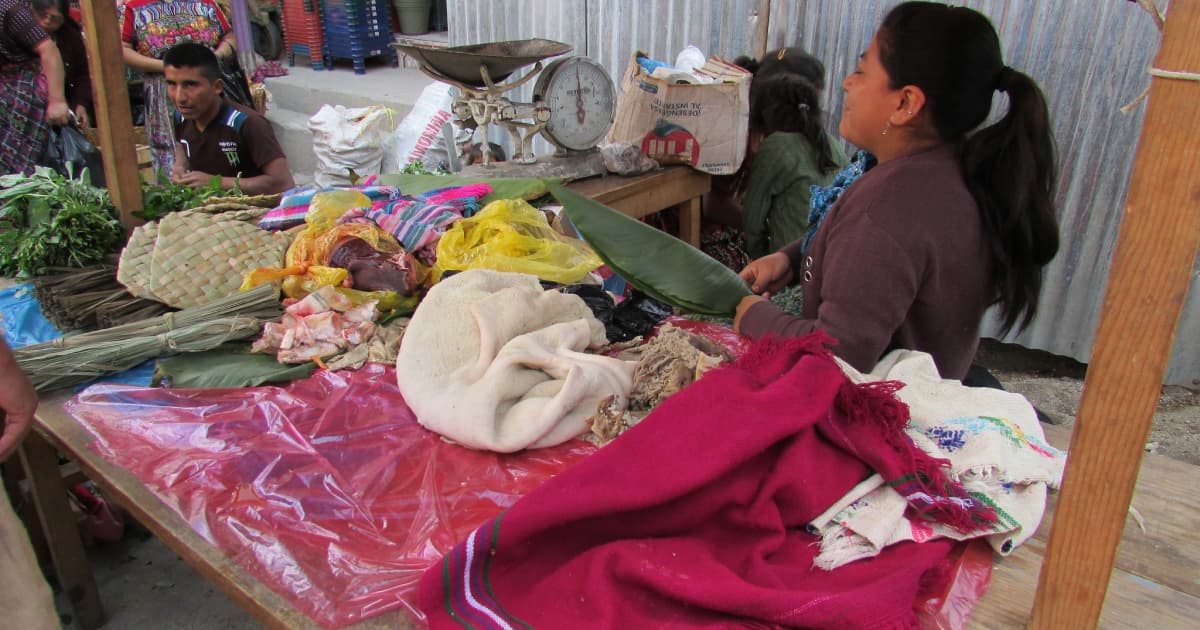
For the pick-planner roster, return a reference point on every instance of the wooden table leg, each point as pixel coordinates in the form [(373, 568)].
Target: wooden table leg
[(62, 534), (26, 509), (689, 222)]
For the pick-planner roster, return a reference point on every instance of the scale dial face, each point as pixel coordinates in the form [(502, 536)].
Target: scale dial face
[(581, 99)]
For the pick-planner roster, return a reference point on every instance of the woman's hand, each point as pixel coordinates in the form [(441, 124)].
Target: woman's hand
[(18, 401), (742, 307), (769, 274), (57, 113), (81, 117)]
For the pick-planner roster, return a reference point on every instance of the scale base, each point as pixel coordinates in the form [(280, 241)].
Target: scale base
[(570, 166)]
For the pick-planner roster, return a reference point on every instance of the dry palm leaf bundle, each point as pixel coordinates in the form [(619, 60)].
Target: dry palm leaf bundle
[(131, 309), (52, 368), (89, 298), (79, 358), (660, 265), (68, 297)]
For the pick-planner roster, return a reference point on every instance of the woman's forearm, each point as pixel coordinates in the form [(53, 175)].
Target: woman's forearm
[(138, 61)]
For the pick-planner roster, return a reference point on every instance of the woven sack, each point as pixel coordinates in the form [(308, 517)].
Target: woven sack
[(133, 270), (198, 258)]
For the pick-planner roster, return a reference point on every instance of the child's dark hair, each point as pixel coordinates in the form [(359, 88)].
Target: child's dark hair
[(193, 55), (785, 95), (953, 55)]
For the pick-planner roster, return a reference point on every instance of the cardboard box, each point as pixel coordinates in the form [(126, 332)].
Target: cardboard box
[(701, 125)]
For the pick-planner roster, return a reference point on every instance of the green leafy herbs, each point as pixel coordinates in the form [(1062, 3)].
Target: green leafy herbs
[(47, 220), (660, 265), (415, 167), (164, 197)]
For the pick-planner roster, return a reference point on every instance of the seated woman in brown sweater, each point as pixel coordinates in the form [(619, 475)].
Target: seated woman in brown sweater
[(947, 224)]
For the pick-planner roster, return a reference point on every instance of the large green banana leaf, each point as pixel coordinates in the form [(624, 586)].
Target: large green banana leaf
[(655, 262), (527, 188), (230, 365)]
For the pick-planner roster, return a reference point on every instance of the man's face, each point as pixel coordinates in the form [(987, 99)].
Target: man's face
[(51, 19), (194, 95)]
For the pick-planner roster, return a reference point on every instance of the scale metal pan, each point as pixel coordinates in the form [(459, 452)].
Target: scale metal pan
[(461, 63)]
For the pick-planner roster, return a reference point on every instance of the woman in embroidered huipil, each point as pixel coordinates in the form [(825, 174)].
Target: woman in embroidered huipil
[(148, 29)]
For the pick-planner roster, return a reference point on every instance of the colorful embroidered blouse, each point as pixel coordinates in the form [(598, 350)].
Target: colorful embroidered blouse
[(153, 26)]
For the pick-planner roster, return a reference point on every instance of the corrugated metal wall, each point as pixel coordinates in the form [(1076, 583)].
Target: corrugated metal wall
[(1090, 57)]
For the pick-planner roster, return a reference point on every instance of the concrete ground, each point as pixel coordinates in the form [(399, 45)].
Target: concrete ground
[(145, 585)]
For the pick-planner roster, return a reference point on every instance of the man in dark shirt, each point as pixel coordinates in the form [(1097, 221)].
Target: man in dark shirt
[(216, 137)]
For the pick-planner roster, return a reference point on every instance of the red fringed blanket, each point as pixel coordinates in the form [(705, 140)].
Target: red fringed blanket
[(695, 518)]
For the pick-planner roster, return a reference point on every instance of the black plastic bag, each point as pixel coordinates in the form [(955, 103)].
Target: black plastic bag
[(237, 86), (637, 315), (69, 152)]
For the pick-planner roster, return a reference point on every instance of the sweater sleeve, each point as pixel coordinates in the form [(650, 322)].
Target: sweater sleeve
[(776, 168), (868, 284)]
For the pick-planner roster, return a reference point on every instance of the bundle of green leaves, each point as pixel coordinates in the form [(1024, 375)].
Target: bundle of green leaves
[(47, 220), (164, 197)]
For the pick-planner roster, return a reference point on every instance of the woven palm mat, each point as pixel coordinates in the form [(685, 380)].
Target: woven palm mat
[(197, 258), (133, 270)]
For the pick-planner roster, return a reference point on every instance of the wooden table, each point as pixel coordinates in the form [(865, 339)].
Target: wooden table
[(672, 187), (1153, 585), (57, 430)]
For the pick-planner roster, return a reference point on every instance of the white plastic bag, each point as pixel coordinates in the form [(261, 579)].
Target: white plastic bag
[(421, 129), (349, 138), (689, 59)]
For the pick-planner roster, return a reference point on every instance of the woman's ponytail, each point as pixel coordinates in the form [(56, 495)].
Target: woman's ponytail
[(1010, 170)]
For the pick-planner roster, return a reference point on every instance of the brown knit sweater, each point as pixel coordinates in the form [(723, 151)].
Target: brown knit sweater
[(899, 262)]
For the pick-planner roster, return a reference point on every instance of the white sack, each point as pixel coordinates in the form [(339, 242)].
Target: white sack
[(349, 138), (421, 129)]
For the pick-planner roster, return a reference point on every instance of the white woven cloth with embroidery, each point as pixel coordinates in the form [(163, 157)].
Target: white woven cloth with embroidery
[(995, 446)]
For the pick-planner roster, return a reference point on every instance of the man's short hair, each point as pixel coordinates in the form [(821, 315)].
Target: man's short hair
[(193, 55)]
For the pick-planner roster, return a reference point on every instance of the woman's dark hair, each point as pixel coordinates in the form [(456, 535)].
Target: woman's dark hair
[(785, 96), (41, 6), (193, 55), (953, 55)]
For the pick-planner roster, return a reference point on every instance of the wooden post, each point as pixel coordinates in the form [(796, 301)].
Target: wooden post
[(62, 534), (763, 29), (113, 118), (1151, 271)]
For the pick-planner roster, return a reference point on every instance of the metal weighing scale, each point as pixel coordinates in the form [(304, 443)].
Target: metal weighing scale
[(573, 99)]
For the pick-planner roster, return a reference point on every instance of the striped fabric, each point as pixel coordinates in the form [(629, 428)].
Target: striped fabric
[(467, 593), (294, 204), (419, 221)]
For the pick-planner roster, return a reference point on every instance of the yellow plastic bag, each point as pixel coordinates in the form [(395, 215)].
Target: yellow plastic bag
[(511, 235), (306, 256), (313, 244)]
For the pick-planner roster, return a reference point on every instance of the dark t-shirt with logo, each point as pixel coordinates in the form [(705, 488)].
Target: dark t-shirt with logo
[(239, 142)]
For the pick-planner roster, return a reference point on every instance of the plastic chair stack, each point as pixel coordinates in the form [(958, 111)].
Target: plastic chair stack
[(358, 30), (302, 33)]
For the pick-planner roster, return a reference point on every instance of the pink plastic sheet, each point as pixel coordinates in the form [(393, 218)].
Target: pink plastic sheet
[(327, 490), (330, 493)]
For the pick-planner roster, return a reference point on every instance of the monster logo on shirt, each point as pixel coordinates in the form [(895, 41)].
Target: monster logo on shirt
[(230, 149)]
